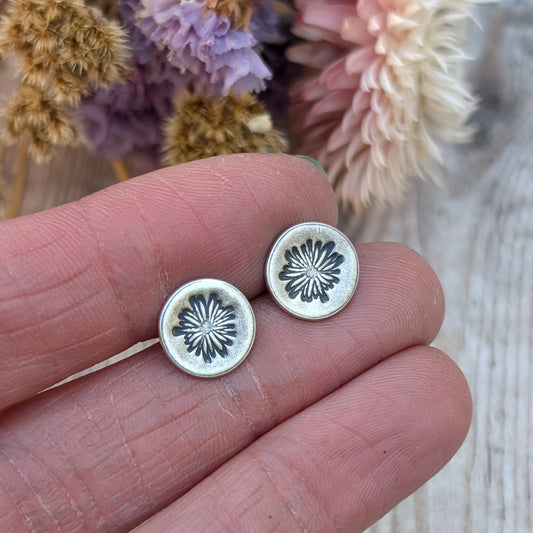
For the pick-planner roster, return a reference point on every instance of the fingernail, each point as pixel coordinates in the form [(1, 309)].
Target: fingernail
[(314, 161)]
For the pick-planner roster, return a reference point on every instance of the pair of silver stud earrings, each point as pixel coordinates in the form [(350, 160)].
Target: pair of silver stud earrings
[(207, 327)]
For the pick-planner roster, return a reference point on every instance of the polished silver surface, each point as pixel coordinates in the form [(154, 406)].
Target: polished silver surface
[(312, 270), (207, 327)]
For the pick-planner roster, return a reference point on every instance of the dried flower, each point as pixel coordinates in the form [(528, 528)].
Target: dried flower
[(108, 7), (42, 120), (238, 12), (388, 85), (129, 115), (66, 47), (207, 126), (122, 118), (221, 58), (67, 50)]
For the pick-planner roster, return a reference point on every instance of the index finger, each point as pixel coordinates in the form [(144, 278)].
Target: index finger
[(86, 280)]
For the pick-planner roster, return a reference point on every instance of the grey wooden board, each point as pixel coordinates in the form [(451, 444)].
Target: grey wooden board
[(477, 232)]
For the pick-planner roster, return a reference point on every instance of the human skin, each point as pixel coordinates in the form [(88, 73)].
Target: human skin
[(326, 425)]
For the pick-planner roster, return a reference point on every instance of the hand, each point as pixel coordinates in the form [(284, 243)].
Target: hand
[(326, 425)]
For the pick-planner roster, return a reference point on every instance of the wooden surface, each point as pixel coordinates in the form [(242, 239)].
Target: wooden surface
[(477, 232)]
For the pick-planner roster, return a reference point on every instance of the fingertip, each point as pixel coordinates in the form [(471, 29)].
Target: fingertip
[(439, 410), (448, 381), (410, 414), (402, 271), (425, 278)]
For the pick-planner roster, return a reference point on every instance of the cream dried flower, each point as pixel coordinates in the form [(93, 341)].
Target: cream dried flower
[(388, 84)]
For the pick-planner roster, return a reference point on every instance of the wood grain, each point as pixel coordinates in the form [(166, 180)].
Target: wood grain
[(477, 232)]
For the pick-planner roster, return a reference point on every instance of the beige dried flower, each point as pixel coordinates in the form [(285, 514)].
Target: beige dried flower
[(66, 50), (207, 126), (43, 122), (65, 47)]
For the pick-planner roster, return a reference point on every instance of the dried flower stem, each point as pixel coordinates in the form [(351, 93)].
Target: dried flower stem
[(3, 148), (17, 192), (121, 172)]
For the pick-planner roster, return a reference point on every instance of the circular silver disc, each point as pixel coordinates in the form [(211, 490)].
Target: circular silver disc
[(312, 270), (207, 327)]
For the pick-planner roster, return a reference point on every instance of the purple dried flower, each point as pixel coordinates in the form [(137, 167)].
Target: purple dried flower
[(128, 115), (221, 59), (266, 26)]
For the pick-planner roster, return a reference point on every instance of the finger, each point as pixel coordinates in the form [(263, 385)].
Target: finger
[(344, 462), (87, 280), (143, 428)]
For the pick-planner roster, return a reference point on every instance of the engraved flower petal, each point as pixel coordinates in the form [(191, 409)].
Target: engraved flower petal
[(208, 327), (311, 270)]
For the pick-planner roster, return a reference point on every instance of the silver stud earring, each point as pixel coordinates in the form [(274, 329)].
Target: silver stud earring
[(207, 328), (312, 270)]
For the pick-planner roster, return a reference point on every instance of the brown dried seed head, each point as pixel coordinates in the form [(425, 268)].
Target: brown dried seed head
[(33, 115), (55, 35), (207, 126)]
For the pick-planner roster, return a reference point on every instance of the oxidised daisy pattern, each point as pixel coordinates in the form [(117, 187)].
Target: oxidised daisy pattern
[(311, 270), (208, 327)]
